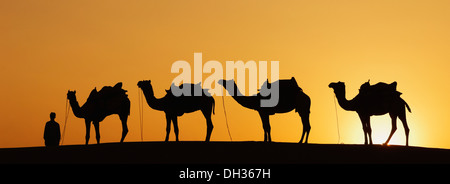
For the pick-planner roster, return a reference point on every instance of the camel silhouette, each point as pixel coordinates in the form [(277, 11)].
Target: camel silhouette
[(176, 106), (378, 99), (109, 100), (291, 96)]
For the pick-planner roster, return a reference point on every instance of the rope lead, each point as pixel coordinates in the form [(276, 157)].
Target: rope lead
[(337, 119), (141, 114), (226, 119), (66, 116)]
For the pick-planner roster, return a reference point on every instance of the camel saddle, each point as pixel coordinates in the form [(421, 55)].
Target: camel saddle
[(108, 92), (380, 88), (289, 83), (194, 87)]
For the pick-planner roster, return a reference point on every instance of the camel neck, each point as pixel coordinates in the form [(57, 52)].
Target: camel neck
[(152, 101), (77, 111), (343, 102), (251, 102)]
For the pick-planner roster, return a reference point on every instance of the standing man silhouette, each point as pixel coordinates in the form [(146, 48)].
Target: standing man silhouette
[(52, 133)]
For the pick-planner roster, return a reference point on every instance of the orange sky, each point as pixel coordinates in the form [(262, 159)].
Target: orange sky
[(49, 47)]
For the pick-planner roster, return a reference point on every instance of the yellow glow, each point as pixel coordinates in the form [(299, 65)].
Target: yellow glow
[(49, 48)]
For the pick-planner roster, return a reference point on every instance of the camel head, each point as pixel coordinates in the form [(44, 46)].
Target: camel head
[(230, 86), (226, 83), (337, 86), (71, 95), (144, 83), (146, 87)]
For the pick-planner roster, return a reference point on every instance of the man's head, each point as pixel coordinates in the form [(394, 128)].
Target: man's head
[(52, 116)]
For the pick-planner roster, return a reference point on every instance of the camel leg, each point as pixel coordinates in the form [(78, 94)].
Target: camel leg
[(364, 122), (306, 126), (88, 130), (369, 131), (168, 119), (402, 118), (266, 126), (209, 125), (303, 134), (97, 131), (124, 119), (393, 129), (209, 128), (175, 127)]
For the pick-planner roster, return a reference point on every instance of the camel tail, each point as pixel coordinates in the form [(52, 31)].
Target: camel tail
[(128, 104), (407, 106), (213, 106)]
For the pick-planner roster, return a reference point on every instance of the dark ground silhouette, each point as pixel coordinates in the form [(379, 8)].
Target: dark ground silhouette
[(291, 97), (225, 153), (176, 106), (372, 100), (109, 100)]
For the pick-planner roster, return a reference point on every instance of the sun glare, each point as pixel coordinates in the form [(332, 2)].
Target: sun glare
[(381, 128)]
